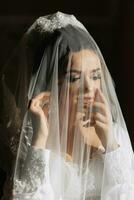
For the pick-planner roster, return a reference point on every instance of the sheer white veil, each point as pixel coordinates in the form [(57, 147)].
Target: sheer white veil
[(43, 58)]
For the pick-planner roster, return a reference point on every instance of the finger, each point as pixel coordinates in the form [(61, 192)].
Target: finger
[(86, 122), (100, 124), (99, 107), (33, 107), (100, 117), (42, 95), (43, 107), (34, 103), (99, 96), (42, 100), (31, 104), (80, 115), (37, 104)]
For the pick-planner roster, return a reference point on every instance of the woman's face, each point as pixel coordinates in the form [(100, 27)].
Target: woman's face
[(84, 74), (83, 78)]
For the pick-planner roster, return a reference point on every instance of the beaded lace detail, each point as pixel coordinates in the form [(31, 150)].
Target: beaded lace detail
[(55, 21), (33, 173)]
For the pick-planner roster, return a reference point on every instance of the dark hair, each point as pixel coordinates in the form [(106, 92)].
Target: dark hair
[(71, 39)]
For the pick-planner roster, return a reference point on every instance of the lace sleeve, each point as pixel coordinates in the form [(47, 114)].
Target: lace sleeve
[(118, 166), (34, 175), (118, 162), (119, 170)]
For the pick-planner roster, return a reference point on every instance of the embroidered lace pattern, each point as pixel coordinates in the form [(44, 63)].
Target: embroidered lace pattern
[(33, 173)]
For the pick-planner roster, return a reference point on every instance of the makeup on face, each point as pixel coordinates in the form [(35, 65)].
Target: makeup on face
[(74, 74)]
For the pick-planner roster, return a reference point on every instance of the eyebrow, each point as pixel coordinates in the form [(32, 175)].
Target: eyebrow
[(79, 72), (95, 70)]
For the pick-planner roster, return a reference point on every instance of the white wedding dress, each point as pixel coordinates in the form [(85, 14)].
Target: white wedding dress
[(37, 184)]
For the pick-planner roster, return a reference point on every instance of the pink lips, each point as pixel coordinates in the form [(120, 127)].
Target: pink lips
[(88, 100)]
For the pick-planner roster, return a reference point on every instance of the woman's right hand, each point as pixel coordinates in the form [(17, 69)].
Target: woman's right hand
[(39, 108)]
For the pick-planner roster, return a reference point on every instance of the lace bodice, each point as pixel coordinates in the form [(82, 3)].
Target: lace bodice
[(118, 174)]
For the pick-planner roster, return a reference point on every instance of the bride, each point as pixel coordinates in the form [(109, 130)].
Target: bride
[(74, 144)]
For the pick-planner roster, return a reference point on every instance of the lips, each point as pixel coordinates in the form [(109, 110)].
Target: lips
[(87, 99), (85, 102)]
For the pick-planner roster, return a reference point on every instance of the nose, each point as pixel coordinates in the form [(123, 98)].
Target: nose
[(89, 87)]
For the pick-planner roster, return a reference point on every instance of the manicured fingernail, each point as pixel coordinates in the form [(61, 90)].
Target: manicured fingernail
[(101, 149)]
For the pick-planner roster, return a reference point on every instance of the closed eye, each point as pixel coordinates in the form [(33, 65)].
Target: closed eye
[(95, 76), (74, 78)]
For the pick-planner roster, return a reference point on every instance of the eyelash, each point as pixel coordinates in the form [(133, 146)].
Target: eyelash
[(94, 77), (73, 78)]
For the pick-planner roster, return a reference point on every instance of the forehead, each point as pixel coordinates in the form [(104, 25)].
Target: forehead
[(85, 60)]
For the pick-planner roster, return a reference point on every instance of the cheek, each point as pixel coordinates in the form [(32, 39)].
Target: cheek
[(73, 93), (74, 88)]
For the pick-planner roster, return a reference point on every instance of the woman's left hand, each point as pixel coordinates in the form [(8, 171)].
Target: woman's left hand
[(98, 122), (102, 117)]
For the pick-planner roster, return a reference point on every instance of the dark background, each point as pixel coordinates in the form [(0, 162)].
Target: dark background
[(110, 22)]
